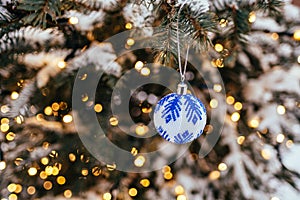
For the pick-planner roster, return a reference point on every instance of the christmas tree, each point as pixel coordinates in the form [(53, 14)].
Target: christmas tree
[(80, 80)]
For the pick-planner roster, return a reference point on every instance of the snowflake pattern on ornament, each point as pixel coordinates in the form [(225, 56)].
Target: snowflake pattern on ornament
[(180, 118)]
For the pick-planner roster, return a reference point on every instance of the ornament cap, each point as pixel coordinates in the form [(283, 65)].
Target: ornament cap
[(182, 88)]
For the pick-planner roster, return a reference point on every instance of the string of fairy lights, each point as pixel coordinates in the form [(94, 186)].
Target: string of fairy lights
[(47, 170)]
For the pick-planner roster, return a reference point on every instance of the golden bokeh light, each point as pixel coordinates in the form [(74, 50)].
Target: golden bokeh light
[(31, 190), (230, 100), (280, 138), (47, 185), (219, 47), (128, 26), (4, 127), (145, 182), (217, 88), (145, 71), (266, 154), (181, 197), (48, 111), (139, 65), (252, 17), (85, 172), (253, 123), (2, 165), (68, 118), (240, 140), (238, 106), (113, 121), (297, 35), (19, 189), (10, 136), (281, 110), (235, 116), (45, 161), (14, 95), (61, 64), (107, 196), (12, 197), (61, 180), (134, 151), (55, 106), (222, 167), (132, 192), (179, 190), (139, 161), (130, 42), (43, 175), (214, 175), (12, 187), (32, 171), (68, 194), (214, 103), (72, 157), (168, 175), (98, 108), (73, 20)]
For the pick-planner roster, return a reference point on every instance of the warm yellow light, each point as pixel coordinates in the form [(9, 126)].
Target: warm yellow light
[(107, 196), (130, 42), (47, 185), (274, 36), (55, 171), (219, 62), (266, 154), (145, 71), (49, 170), (297, 35), (2, 165), (14, 95), (68, 118), (281, 110), (238, 106), (96, 171), (73, 20), (61, 64), (98, 108), (147, 110), (19, 189), (219, 47), (4, 127), (222, 166), (19, 119), (63, 105), (72, 157), (84, 98), (145, 182), (128, 25), (217, 88), (48, 110), (10, 136), (4, 121), (141, 130), (45, 161), (230, 100), (298, 59), (166, 169), (31, 190), (55, 106), (113, 121), (280, 138), (11, 187), (139, 161), (223, 23), (85, 172), (111, 167), (32, 171), (289, 143), (4, 109), (214, 175), (139, 65), (253, 123), (68, 194), (235, 116), (61, 180), (181, 197), (179, 190), (168, 175), (12, 197), (43, 175), (40, 117), (132, 192), (240, 140), (252, 17), (134, 151), (213, 103)]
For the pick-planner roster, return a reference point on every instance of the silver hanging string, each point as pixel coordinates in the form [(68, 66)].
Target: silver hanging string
[(182, 71)]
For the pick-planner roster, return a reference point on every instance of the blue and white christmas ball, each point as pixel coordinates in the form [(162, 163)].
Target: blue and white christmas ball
[(180, 118)]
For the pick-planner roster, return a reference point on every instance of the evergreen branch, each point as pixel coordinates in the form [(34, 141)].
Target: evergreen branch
[(39, 10), (5, 15)]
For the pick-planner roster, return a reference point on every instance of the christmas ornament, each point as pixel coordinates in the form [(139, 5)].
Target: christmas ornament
[(180, 117)]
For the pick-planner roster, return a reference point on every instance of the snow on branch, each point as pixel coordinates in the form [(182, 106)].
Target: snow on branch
[(196, 7), (31, 36), (100, 55), (107, 5), (87, 22), (4, 14), (277, 80), (140, 16)]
